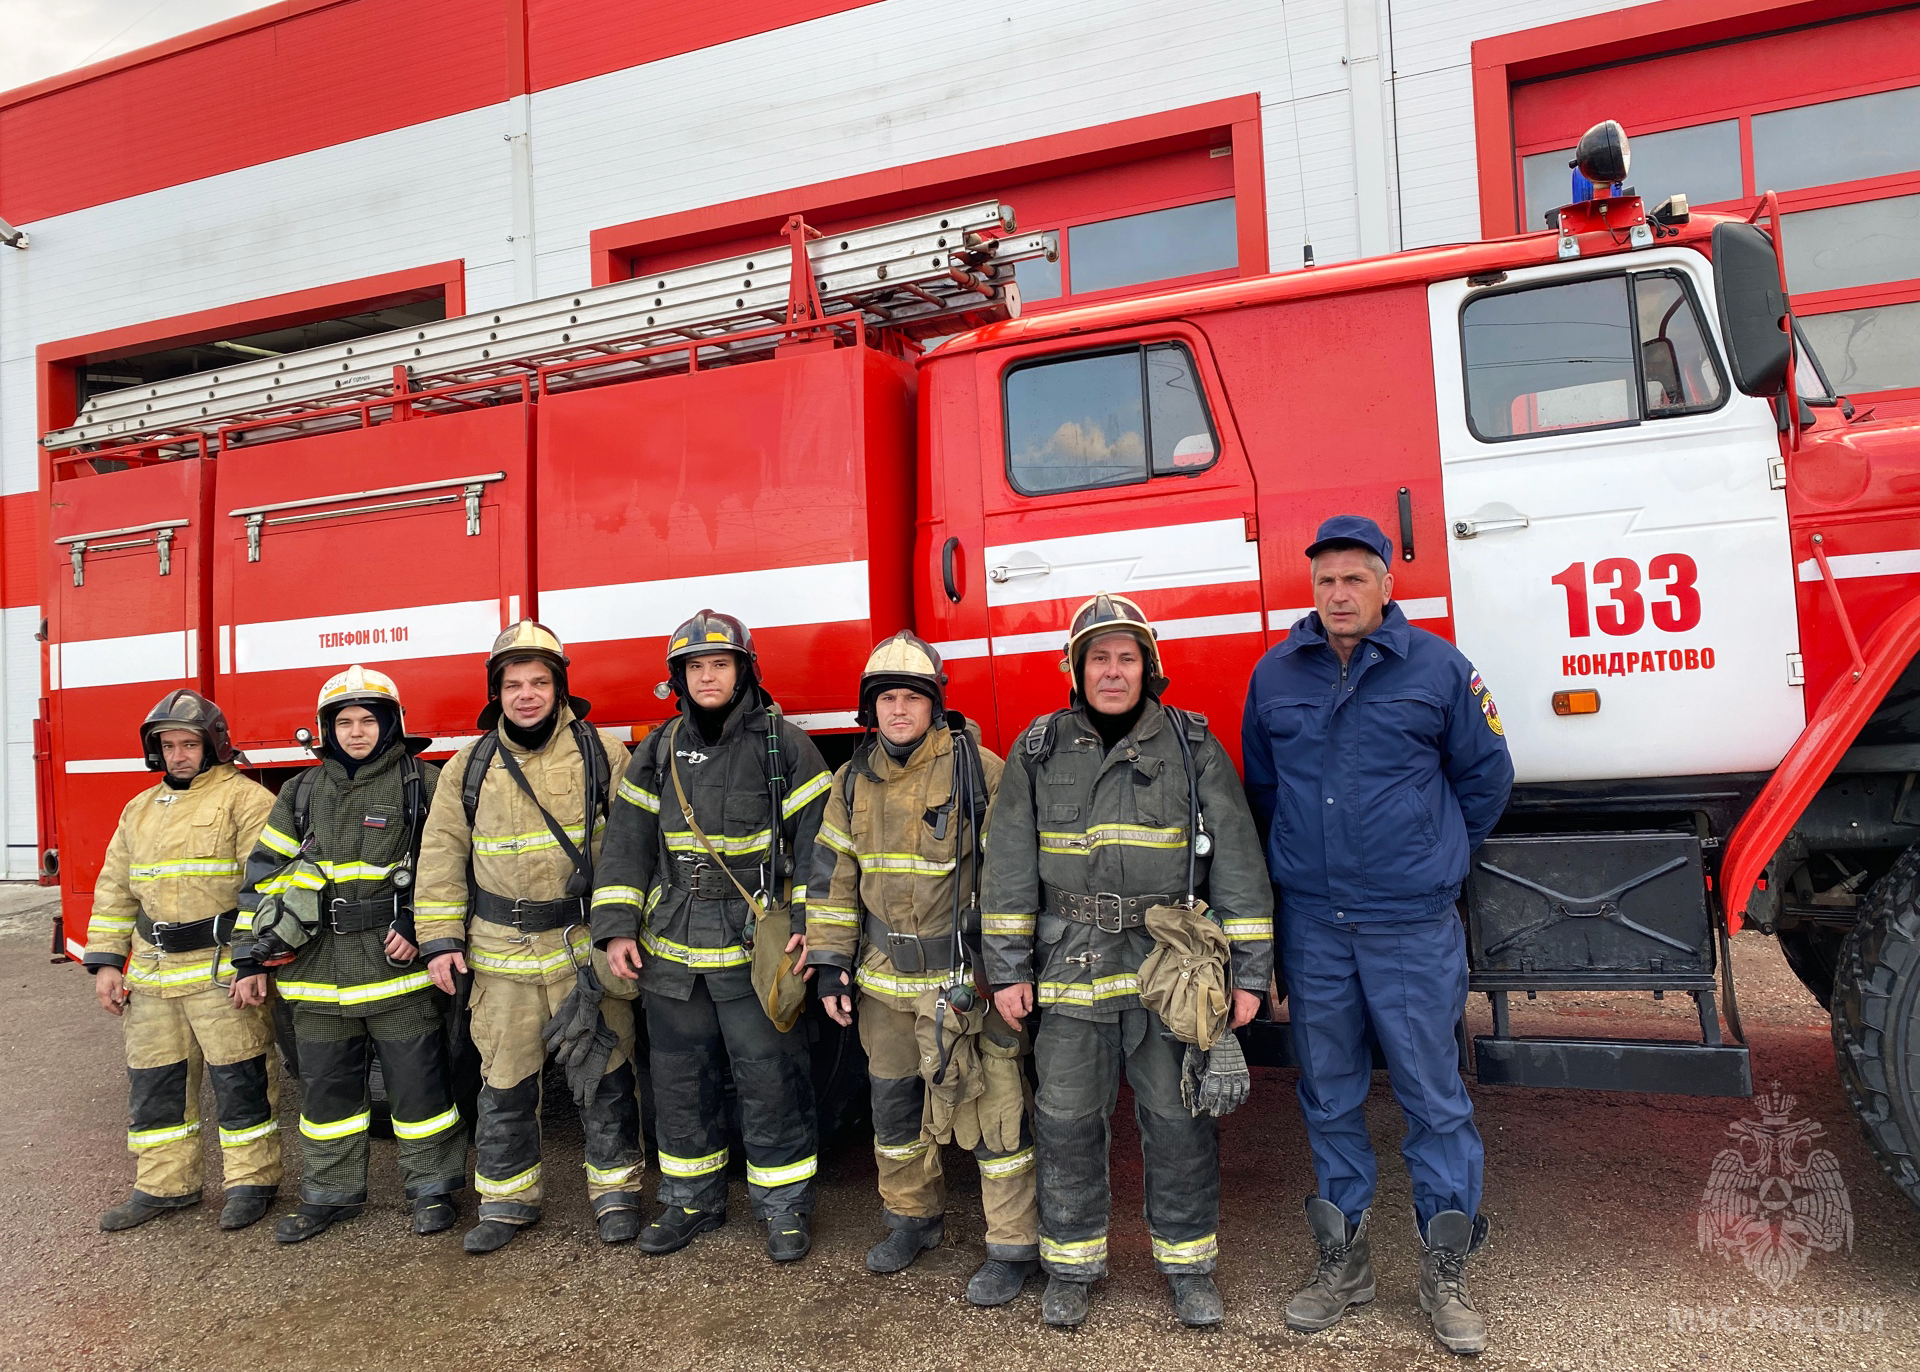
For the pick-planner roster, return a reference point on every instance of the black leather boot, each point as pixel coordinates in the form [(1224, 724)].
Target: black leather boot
[(1064, 1305), (1451, 1239), (896, 1252), (789, 1238), (999, 1281), (675, 1227), (311, 1219), (245, 1205), (1344, 1276), (434, 1214), (138, 1208)]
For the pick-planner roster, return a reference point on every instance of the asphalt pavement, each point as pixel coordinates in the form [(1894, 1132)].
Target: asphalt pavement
[(1595, 1257)]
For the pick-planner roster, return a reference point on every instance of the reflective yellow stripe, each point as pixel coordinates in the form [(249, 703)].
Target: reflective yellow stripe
[(638, 796), (496, 845), (336, 1129), (614, 1176), (481, 959), (298, 878), (1113, 835), (357, 871), (167, 871), (900, 985), (243, 922), (653, 896), (782, 1176), (512, 1186), (153, 1138), (142, 972), (427, 1128), (905, 862), (618, 895), (323, 994), (1082, 1253), (1193, 1250), (283, 844), (901, 1152), (839, 840), (108, 924), (805, 793), (1010, 1166), (683, 841), (1248, 930), (800, 892), (693, 1167), (734, 956), (234, 1138), (1007, 926), (833, 914), (1115, 987), (439, 909)]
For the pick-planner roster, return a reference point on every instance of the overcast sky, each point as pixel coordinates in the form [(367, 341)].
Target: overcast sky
[(41, 37)]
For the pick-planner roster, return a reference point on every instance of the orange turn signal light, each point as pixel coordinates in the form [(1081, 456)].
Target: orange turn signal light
[(1576, 702)]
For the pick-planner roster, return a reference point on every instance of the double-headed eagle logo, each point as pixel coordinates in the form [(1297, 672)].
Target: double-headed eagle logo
[(1774, 1199)]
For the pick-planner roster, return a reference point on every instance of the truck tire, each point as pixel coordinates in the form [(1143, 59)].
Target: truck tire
[(1876, 1021)]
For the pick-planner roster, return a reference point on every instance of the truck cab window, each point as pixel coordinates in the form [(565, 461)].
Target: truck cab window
[(1587, 355), (1106, 419)]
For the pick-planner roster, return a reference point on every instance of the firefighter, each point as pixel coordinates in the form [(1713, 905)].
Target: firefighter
[(165, 909), (354, 823), (893, 911), (506, 869), (1376, 763), (714, 819), (1091, 829)]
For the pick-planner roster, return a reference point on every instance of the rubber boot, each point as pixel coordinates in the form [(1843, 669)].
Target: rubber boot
[(675, 1227), (311, 1219), (896, 1252), (246, 1205), (138, 1208), (1344, 1277), (619, 1226), (1451, 1239), (788, 1237), (1196, 1300), (490, 1236), (434, 1214), (1064, 1305), (999, 1281)]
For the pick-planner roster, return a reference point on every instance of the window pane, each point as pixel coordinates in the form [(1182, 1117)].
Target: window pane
[(1678, 366), (1553, 358), (1840, 140), (1159, 246), (1701, 162), (1854, 245), (1076, 424), (1868, 350), (1038, 278), (1182, 438)]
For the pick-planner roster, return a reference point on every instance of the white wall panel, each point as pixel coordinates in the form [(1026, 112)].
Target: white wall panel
[(20, 661), (19, 410), (1439, 184)]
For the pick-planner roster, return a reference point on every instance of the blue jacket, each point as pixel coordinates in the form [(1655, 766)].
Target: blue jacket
[(1372, 793)]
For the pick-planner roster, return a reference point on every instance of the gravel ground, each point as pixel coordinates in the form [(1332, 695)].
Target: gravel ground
[(1593, 1259)]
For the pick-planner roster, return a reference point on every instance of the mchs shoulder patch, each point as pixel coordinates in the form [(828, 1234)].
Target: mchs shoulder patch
[(1484, 698)]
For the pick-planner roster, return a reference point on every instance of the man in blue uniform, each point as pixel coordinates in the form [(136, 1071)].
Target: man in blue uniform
[(1375, 765)]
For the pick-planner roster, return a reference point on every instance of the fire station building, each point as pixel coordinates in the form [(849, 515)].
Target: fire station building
[(321, 170)]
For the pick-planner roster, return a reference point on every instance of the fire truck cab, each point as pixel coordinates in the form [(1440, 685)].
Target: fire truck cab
[(1688, 572)]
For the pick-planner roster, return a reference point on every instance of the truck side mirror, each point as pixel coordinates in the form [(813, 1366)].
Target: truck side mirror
[(1753, 309)]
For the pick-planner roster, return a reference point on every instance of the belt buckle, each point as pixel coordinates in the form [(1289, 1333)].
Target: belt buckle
[(160, 932), (907, 953), (334, 907), (1119, 924), (519, 914)]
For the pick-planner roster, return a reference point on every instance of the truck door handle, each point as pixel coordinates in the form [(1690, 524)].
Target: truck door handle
[(1004, 574), (1489, 519), (946, 569)]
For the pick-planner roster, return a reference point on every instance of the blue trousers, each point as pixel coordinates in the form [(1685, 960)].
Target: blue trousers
[(1409, 982)]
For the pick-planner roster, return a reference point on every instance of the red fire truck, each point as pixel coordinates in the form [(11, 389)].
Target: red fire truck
[(1690, 573)]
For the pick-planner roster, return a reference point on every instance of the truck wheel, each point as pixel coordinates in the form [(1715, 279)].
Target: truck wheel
[(1876, 1021), (1813, 952)]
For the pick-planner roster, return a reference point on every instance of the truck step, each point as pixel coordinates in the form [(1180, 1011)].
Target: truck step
[(1648, 1065)]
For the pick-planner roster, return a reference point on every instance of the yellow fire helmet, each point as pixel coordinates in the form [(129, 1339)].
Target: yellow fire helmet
[(906, 660), (184, 709), (1105, 614), (528, 639), (360, 686)]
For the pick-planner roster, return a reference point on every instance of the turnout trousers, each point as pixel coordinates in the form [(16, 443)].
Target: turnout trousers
[(773, 1078), (913, 1186), (1408, 981), (429, 1139), (508, 1017), (171, 1041), (1080, 1062)]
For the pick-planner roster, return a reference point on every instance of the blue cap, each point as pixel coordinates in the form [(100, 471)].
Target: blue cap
[(1351, 530)]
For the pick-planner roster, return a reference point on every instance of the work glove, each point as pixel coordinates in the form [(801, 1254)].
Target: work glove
[(832, 981), (575, 1032), (587, 1064), (1215, 1081)]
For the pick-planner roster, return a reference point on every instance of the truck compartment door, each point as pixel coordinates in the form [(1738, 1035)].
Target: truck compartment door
[(401, 546), (126, 620), (1120, 473), (1613, 525)]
